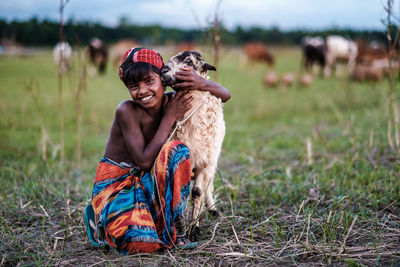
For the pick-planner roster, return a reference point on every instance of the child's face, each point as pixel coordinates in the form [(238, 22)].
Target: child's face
[(149, 92)]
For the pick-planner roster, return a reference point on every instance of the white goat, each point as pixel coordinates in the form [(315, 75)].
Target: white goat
[(62, 53), (202, 130)]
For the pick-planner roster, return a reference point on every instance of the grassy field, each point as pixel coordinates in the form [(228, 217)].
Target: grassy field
[(279, 205)]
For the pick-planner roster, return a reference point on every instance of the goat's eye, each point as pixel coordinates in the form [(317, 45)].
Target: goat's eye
[(188, 61)]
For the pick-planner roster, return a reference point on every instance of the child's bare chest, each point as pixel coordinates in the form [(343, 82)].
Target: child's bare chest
[(149, 127)]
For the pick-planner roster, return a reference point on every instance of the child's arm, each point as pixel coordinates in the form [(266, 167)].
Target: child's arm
[(141, 153), (191, 80)]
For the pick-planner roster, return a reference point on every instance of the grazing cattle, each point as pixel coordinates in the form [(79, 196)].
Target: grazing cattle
[(313, 52), (339, 49), (368, 52), (271, 79), (119, 49), (372, 62), (62, 54), (258, 52), (98, 54), (202, 130)]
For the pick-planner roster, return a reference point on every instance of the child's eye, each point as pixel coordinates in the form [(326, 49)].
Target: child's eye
[(149, 80)]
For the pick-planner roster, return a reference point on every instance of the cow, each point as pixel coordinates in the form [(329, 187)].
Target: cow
[(369, 52), (338, 50), (372, 62), (313, 53), (258, 52), (98, 54), (119, 48)]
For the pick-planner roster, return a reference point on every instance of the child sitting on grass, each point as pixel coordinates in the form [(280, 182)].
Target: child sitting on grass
[(143, 182)]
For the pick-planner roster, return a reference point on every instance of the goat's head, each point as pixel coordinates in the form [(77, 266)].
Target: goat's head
[(191, 59)]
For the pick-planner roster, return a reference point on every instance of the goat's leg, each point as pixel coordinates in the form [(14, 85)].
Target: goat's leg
[(209, 191), (203, 192), (197, 200)]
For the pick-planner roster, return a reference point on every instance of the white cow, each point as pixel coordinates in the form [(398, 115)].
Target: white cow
[(339, 49), (62, 53)]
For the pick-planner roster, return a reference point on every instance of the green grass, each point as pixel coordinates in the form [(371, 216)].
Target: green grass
[(276, 208)]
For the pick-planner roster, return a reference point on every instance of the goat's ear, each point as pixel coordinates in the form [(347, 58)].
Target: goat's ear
[(209, 67)]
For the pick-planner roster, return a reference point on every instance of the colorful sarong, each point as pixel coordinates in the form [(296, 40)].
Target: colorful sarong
[(136, 213)]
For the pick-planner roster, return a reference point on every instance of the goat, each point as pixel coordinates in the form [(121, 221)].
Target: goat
[(62, 54), (306, 80), (202, 130), (270, 79), (287, 79)]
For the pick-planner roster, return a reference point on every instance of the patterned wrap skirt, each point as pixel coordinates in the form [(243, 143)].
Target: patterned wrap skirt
[(135, 211)]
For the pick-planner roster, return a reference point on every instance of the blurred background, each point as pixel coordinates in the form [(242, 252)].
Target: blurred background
[(33, 23)]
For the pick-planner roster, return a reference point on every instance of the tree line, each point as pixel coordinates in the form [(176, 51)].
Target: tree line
[(35, 32)]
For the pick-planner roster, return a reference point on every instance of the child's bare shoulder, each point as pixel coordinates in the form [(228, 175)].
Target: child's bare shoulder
[(127, 107)]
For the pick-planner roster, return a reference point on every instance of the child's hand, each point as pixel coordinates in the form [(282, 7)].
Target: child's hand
[(189, 80), (180, 103)]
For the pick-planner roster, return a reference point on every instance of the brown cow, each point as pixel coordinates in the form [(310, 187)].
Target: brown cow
[(372, 62), (368, 52), (258, 52)]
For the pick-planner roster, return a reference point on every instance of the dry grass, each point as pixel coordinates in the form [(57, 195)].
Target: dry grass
[(287, 235)]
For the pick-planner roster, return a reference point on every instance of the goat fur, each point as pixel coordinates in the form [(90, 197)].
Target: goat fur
[(203, 132)]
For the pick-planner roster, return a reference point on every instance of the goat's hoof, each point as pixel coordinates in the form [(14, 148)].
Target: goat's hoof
[(214, 213), (194, 233)]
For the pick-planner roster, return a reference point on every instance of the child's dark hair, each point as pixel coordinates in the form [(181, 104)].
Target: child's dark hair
[(137, 72)]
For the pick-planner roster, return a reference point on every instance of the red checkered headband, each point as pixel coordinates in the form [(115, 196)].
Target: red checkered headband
[(140, 54)]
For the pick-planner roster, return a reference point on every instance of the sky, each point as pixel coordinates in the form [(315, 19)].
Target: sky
[(189, 14)]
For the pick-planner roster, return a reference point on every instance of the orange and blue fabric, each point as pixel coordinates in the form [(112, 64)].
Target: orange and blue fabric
[(135, 211)]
